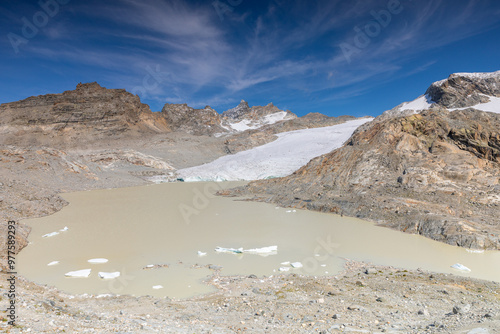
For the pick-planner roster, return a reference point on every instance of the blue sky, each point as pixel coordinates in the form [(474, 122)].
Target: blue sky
[(334, 57)]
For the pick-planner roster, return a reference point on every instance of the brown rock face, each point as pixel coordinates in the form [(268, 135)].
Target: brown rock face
[(194, 121), (89, 108), (435, 174)]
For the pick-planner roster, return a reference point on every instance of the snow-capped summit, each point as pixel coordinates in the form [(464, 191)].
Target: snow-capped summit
[(480, 91), (242, 117)]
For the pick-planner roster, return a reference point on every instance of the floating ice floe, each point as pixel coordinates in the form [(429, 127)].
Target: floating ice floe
[(111, 275), (229, 250), (156, 287), (200, 253), (296, 265), (51, 234), (150, 266), (323, 265), (263, 251), (78, 273), (286, 263), (53, 263), (478, 251), (291, 211), (48, 235), (461, 267), (284, 269), (98, 260)]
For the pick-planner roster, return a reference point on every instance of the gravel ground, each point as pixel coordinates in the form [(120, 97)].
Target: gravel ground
[(363, 299)]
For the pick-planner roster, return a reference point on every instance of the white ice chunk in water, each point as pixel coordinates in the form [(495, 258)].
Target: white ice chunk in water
[(64, 229), (156, 287), (98, 260), (296, 264), (323, 265), (200, 253), (78, 273), (53, 263), (286, 263), (111, 275), (461, 267), (50, 234), (263, 251), (284, 268), (229, 250), (150, 266), (478, 251)]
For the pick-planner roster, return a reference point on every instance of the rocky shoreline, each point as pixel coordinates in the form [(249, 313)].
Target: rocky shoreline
[(363, 299)]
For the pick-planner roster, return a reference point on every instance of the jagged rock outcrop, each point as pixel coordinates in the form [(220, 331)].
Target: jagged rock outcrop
[(237, 112), (208, 122), (89, 110), (198, 122), (465, 89), (434, 173), (244, 112)]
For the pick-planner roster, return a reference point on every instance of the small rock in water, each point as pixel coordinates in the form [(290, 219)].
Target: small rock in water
[(214, 267)]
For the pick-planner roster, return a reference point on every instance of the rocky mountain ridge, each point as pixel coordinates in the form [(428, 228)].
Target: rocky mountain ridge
[(434, 173), (109, 112), (92, 112)]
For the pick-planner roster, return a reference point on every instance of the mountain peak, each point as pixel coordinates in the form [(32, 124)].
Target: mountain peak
[(461, 90)]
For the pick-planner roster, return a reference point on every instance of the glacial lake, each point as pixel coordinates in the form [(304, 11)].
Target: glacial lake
[(152, 234)]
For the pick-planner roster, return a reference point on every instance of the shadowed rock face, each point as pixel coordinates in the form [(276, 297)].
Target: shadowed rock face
[(90, 108), (435, 174), (238, 112), (465, 90), (198, 122), (244, 112)]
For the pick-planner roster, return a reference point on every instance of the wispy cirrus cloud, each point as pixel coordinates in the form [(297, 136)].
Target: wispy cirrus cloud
[(277, 47)]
